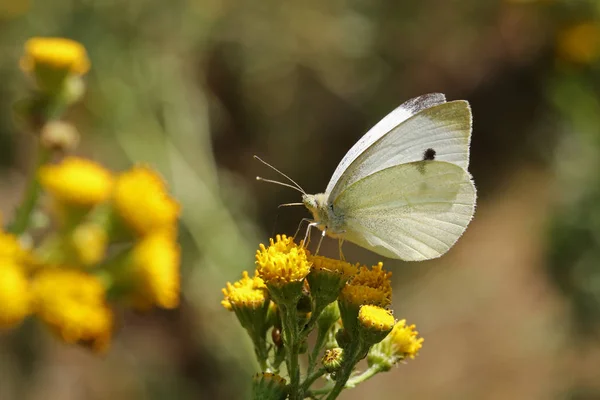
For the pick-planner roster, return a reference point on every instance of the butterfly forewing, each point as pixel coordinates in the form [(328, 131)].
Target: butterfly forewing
[(444, 129), (389, 122)]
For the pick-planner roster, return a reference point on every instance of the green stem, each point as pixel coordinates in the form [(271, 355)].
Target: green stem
[(311, 378), (313, 356), (278, 358), (354, 354), (290, 338), (262, 354), (369, 373), (351, 383), (31, 196)]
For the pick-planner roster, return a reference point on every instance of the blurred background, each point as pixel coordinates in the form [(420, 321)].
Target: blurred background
[(196, 87)]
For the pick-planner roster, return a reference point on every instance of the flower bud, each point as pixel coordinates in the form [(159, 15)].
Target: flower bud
[(59, 136), (333, 359), (268, 386)]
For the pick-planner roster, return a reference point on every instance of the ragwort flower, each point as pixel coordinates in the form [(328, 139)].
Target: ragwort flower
[(73, 305)]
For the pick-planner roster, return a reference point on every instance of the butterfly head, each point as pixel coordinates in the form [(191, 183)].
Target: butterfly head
[(317, 205)]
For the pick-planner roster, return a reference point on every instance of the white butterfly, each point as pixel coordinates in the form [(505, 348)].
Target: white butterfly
[(403, 190)]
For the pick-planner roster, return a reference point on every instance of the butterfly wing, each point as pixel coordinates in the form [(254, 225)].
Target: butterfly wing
[(389, 122), (443, 127), (414, 211)]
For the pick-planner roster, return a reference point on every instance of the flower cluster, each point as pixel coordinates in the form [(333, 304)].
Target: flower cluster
[(293, 293), (113, 238)]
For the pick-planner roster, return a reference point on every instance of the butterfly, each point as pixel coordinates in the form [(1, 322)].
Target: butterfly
[(403, 190)]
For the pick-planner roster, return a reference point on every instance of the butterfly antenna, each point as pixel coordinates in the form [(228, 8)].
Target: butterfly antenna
[(298, 187), (290, 204), (258, 178)]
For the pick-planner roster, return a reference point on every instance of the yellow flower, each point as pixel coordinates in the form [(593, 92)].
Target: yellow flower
[(327, 278), (404, 340), (359, 295), (11, 248), (579, 43), (14, 294), (89, 242), (142, 201), (401, 343), (77, 181), (73, 304), (282, 262), (376, 277), (156, 261), (374, 323), (369, 286), (55, 53), (373, 317), (247, 293), (322, 264)]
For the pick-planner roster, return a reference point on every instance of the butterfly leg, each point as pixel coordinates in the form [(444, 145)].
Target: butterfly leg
[(340, 243), (307, 235), (300, 226), (321, 241)]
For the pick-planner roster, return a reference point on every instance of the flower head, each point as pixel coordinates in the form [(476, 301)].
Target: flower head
[(401, 343), (156, 260), (268, 386), (282, 262), (283, 266), (11, 248), (77, 182), (375, 277), (332, 359), (327, 278), (143, 203), (374, 323), (73, 304), (55, 53), (404, 340), (324, 265), (245, 293), (14, 293), (369, 286), (89, 242)]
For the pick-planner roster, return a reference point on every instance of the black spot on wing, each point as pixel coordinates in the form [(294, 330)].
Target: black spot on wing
[(429, 155)]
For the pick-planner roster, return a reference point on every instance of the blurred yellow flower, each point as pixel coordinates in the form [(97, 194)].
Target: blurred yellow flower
[(14, 293), (579, 43), (90, 242), (142, 201), (11, 248), (77, 181), (73, 304), (247, 292), (55, 53), (156, 261), (404, 341), (282, 262)]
